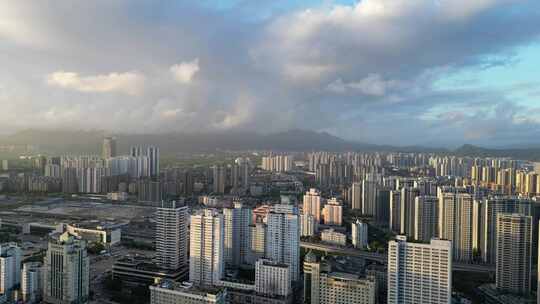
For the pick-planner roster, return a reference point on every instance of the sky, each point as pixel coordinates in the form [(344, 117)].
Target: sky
[(401, 72)]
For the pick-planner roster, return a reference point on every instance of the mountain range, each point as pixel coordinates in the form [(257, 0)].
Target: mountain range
[(89, 142)]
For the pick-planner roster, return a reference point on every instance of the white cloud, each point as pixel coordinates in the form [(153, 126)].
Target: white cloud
[(372, 36), (315, 69), (130, 83), (172, 113), (185, 71), (373, 85)]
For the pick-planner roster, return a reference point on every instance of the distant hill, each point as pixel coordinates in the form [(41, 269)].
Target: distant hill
[(521, 153), (89, 142), (79, 142)]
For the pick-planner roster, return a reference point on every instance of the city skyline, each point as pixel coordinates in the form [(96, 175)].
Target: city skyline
[(270, 152), (363, 71)]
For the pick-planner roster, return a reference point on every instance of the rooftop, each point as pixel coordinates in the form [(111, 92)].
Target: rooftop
[(188, 287)]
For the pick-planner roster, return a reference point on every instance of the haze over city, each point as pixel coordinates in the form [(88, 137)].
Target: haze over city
[(424, 72)]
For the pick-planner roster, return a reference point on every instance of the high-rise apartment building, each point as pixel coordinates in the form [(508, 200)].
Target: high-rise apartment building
[(258, 242), (108, 148), (487, 226), (149, 191), (359, 234), (32, 282), (407, 215), (10, 267), (356, 196), (240, 173), (395, 211), (369, 196), (66, 270), (308, 225), (419, 273), (206, 248), (312, 204), (456, 222), (272, 278), (382, 215), (426, 218), (151, 155), (219, 174), (171, 235), (278, 163), (514, 252), (283, 237), (333, 212), (237, 243)]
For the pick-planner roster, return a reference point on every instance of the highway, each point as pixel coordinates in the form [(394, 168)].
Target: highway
[(382, 258)]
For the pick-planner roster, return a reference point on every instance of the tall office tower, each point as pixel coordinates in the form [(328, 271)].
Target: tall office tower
[(283, 237), (272, 278), (308, 225), (395, 211), (456, 223), (333, 212), (356, 196), (419, 273), (426, 218), (407, 216), (322, 285), (67, 270), (109, 148), (488, 210), (369, 197), (237, 243), (359, 234), (258, 241), (32, 282), (312, 204), (206, 248), (10, 267), (171, 235), (514, 252), (219, 174)]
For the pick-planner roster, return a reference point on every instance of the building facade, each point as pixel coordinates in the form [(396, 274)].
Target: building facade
[(67, 270), (419, 273)]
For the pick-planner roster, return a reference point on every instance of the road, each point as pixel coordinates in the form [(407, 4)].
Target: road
[(382, 258)]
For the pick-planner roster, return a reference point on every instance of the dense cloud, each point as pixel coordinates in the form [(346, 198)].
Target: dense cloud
[(365, 71)]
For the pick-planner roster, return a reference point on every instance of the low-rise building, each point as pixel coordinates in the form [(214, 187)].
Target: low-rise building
[(142, 271), (106, 233), (323, 285), (333, 237), (169, 292)]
